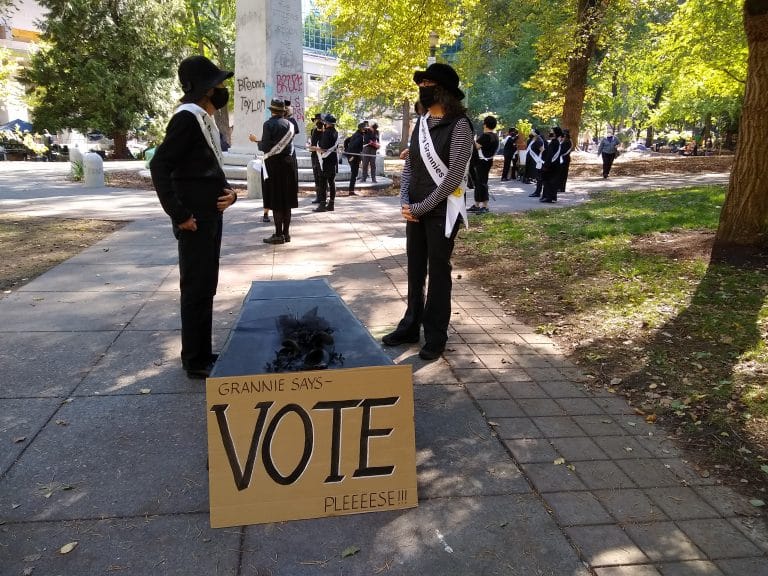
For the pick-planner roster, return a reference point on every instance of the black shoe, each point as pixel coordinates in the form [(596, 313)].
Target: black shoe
[(329, 207), (275, 239), (353, 193), (373, 181), (287, 237), (430, 352), (200, 373), (315, 201), (265, 219), (533, 195), (547, 200), (397, 338), (473, 208), (320, 208)]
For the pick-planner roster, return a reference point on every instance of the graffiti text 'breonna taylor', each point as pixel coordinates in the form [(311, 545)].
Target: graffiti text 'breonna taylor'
[(242, 477)]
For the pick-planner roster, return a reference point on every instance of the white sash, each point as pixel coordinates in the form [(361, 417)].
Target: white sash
[(437, 170), (276, 149), (536, 157), (565, 154), (482, 156), (209, 128), (331, 149)]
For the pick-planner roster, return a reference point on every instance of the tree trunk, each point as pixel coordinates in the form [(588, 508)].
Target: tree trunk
[(744, 217), (588, 18), (405, 127), (221, 117), (121, 151)]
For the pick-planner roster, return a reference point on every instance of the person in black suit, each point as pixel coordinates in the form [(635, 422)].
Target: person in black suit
[(327, 149), (193, 190), (550, 170)]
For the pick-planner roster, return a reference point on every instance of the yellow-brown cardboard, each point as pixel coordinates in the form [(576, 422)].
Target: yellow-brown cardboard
[(300, 475)]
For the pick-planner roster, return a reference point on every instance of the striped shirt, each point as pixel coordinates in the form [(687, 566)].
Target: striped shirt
[(462, 143)]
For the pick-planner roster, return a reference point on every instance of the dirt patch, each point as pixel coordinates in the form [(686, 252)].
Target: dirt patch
[(693, 245), (30, 246)]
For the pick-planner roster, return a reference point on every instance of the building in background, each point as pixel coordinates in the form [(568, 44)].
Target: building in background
[(19, 34)]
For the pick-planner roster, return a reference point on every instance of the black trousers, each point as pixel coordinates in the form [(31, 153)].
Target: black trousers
[(429, 255), (509, 165), (482, 170), (607, 163), (354, 164), (199, 254), (316, 173)]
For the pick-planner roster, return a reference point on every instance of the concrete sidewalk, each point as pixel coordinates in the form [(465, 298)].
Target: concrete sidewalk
[(105, 445)]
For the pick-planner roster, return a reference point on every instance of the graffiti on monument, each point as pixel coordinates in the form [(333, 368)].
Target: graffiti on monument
[(250, 95)]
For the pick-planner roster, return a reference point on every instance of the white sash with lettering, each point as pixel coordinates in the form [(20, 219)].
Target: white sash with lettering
[(437, 170), (276, 149), (564, 154), (208, 126)]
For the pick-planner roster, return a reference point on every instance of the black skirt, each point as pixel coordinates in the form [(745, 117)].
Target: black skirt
[(281, 189)]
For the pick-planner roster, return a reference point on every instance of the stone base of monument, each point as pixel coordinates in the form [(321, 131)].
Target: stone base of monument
[(287, 441), (236, 167)]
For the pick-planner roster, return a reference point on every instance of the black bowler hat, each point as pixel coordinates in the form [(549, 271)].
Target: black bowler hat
[(197, 75), (317, 116), (328, 119), (557, 131), (443, 75)]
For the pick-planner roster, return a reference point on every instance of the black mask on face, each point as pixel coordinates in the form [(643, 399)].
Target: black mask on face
[(427, 95), (219, 98)]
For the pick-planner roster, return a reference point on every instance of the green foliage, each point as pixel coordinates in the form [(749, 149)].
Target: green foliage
[(378, 54), (104, 65)]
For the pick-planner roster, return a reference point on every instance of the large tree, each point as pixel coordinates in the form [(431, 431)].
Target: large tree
[(379, 53), (104, 65), (210, 31), (744, 217)]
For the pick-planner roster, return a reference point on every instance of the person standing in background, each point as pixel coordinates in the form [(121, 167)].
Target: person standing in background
[(550, 170), (327, 150), (279, 178), (533, 162), (486, 146), (608, 149), (370, 149), (509, 168), (353, 150), (188, 176), (566, 147), (314, 139)]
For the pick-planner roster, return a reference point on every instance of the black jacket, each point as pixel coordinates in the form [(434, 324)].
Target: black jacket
[(185, 172)]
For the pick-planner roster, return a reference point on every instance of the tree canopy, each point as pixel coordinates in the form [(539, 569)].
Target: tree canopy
[(104, 65)]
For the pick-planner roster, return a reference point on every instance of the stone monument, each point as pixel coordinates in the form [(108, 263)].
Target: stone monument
[(268, 64)]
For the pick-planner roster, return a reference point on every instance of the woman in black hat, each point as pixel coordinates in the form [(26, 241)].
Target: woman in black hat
[(279, 179), (433, 185), (189, 180), (550, 170), (327, 149)]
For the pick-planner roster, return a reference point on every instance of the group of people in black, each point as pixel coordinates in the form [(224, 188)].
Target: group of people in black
[(547, 162)]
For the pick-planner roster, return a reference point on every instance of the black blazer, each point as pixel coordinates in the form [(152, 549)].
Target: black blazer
[(185, 172)]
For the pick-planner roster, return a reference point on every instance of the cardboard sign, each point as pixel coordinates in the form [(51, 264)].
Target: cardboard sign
[(310, 444)]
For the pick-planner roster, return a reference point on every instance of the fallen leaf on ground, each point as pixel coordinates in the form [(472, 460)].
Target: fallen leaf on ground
[(559, 461), (67, 548), (351, 551)]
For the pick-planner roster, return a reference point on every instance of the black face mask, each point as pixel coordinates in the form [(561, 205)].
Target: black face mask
[(219, 98), (427, 95)]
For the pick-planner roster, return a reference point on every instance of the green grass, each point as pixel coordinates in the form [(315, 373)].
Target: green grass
[(635, 304)]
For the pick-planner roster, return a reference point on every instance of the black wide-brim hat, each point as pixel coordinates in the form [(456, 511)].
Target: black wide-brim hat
[(443, 75), (328, 119), (277, 105), (197, 75)]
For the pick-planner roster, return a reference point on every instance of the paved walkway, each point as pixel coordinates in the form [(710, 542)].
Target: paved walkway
[(522, 470)]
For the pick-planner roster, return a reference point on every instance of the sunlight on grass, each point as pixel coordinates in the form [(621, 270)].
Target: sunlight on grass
[(633, 302)]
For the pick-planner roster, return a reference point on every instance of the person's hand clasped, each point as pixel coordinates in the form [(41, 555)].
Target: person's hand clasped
[(252, 138), (226, 200), (189, 225), (405, 210)]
